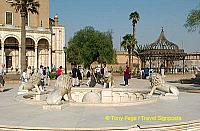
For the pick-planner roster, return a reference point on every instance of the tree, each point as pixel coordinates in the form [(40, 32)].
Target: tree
[(134, 17), (193, 20), (24, 6), (128, 43), (89, 45)]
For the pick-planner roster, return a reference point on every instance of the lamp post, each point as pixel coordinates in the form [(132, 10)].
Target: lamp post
[(65, 51)]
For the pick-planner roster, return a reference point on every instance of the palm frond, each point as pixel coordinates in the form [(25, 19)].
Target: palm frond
[(26, 6), (134, 16)]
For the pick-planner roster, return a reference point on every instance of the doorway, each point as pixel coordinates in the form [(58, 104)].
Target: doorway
[(8, 61)]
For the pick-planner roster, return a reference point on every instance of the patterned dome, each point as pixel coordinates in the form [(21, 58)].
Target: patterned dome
[(162, 43)]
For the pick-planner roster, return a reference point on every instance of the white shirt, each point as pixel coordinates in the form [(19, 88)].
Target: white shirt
[(98, 69), (24, 77), (41, 71), (105, 70)]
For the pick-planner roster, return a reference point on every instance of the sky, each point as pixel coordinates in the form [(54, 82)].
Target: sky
[(113, 15)]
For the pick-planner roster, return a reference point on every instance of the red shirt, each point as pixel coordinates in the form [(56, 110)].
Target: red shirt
[(59, 71), (126, 72)]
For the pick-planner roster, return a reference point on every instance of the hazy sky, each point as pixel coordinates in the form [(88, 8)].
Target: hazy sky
[(113, 15)]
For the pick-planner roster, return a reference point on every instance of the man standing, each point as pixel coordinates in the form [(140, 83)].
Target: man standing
[(74, 75), (126, 75), (98, 74)]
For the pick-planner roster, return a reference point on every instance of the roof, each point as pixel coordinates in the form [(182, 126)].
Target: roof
[(163, 48), (162, 43)]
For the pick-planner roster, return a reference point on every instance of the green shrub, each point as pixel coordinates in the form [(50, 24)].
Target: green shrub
[(52, 75)]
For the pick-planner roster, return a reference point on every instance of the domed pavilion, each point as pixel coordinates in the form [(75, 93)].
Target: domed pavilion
[(161, 54)]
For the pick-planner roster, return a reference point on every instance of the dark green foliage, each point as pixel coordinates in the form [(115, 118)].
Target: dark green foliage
[(52, 75), (89, 45), (129, 43), (193, 20), (135, 17)]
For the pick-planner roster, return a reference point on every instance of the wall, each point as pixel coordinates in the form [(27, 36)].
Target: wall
[(35, 20)]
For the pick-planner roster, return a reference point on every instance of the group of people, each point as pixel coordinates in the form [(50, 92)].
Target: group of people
[(43, 71), (93, 75), (77, 75)]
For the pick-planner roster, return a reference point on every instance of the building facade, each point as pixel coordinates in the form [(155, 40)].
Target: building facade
[(45, 38), (192, 60)]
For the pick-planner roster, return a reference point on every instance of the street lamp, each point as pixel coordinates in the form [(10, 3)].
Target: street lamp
[(65, 51)]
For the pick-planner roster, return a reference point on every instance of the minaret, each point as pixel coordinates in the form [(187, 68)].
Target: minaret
[(56, 20)]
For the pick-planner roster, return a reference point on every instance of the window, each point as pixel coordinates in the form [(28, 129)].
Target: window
[(9, 18)]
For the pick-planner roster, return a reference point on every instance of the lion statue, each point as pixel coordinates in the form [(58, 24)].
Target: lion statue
[(33, 82), (63, 86), (108, 80), (158, 83)]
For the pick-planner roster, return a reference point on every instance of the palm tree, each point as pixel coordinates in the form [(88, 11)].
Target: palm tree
[(24, 6), (134, 17), (128, 43)]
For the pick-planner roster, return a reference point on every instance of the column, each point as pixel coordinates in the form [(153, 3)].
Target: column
[(19, 58), (2, 54), (36, 57), (49, 58)]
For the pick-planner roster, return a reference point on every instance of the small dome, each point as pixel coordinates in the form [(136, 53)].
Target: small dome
[(91, 97)]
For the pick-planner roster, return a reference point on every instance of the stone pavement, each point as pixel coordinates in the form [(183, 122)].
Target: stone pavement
[(18, 115)]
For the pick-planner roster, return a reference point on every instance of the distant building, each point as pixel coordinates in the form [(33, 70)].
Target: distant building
[(122, 58), (192, 60), (45, 38)]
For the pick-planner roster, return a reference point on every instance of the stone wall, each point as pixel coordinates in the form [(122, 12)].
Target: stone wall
[(108, 95)]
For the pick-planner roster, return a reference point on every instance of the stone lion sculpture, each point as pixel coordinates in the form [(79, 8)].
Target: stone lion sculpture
[(158, 83), (33, 82), (108, 80), (63, 86)]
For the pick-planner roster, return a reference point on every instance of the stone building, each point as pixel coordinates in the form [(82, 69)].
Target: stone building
[(45, 38), (122, 58), (192, 60)]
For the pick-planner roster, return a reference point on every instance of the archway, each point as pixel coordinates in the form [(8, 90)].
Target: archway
[(11, 53), (43, 46), (30, 53)]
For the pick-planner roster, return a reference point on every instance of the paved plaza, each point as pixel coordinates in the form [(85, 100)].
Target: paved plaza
[(19, 115)]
